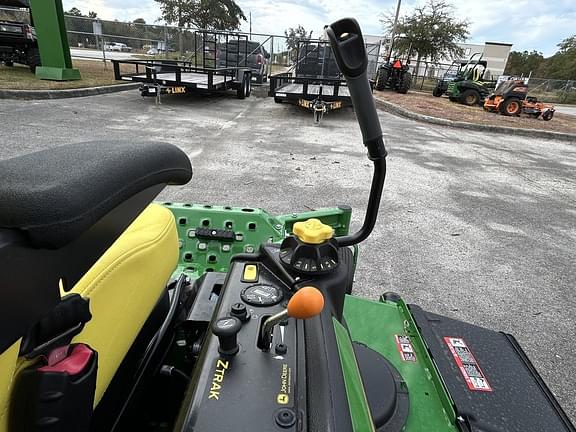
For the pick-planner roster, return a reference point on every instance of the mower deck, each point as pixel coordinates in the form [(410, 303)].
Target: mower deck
[(456, 373)]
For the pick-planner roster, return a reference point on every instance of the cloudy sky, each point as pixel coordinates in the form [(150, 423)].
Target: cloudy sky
[(528, 24)]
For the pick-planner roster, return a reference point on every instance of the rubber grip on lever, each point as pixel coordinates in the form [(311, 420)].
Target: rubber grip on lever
[(350, 53)]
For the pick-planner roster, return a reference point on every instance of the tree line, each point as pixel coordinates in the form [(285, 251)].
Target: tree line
[(560, 66)]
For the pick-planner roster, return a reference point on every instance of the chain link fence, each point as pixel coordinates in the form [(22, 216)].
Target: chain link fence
[(145, 41), (97, 39)]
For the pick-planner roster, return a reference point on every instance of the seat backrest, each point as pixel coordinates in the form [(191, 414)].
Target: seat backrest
[(61, 208)]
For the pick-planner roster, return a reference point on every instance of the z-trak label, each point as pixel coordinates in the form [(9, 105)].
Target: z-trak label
[(469, 367)]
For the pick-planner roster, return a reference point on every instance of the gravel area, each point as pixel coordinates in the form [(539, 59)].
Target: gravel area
[(442, 107)]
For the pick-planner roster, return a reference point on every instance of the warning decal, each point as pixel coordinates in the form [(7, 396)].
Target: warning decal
[(405, 348), (467, 364)]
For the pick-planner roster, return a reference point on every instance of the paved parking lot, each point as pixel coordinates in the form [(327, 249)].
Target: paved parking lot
[(478, 227)]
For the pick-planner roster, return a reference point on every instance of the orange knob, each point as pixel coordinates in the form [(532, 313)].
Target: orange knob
[(307, 302)]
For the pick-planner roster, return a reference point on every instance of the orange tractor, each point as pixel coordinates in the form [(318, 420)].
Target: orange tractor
[(511, 99)]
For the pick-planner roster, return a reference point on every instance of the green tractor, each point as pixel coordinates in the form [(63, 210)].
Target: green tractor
[(119, 314), (470, 87)]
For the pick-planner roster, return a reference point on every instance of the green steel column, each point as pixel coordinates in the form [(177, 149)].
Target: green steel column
[(48, 16)]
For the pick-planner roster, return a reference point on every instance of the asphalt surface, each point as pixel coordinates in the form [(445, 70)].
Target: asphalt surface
[(479, 227), (566, 109), (90, 54)]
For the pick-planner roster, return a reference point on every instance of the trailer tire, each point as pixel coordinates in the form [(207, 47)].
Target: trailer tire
[(241, 90), (248, 90)]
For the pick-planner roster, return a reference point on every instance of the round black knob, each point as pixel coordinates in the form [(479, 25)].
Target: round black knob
[(285, 417), (239, 311), (309, 259), (226, 330)]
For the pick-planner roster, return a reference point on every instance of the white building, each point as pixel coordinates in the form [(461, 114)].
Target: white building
[(495, 53)]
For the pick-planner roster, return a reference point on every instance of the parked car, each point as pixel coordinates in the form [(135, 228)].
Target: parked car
[(18, 44), (117, 46), (234, 53)]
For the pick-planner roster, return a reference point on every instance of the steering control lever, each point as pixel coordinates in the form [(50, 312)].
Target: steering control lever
[(306, 303), (348, 47)]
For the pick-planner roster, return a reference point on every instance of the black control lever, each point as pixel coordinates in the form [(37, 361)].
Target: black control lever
[(348, 47), (350, 53)]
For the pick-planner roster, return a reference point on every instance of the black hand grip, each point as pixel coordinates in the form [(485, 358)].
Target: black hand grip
[(348, 47)]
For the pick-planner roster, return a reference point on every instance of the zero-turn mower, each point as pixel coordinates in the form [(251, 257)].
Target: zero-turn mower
[(257, 328), (470, 87), (453, 73), (511, 99)]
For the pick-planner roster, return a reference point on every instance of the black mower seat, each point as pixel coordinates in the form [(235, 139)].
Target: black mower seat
[(55, 195)]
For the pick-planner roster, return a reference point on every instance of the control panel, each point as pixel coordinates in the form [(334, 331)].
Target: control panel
[(269, 359), (251, 379)]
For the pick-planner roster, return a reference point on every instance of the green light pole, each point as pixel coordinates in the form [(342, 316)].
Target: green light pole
[(48, 17)]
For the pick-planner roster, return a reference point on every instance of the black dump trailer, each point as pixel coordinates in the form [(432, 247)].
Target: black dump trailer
[(314, 81), (205, 70)]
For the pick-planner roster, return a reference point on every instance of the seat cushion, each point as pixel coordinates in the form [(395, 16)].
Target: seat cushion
[(123, 287), (55, 195)]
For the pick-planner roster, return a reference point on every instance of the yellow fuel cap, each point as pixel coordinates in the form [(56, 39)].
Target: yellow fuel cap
[(313, 231)]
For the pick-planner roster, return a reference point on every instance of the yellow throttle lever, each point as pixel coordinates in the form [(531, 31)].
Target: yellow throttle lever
[(306, 303)]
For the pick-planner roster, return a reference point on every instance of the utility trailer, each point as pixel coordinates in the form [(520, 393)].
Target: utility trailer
[(315, 83), (207, 70)]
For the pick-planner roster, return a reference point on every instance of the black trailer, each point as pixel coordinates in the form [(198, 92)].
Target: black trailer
[(314, 83), (209, 69)]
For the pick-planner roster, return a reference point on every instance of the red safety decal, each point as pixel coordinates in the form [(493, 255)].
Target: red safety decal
[(405, 348), (397, 65), (473, 375)]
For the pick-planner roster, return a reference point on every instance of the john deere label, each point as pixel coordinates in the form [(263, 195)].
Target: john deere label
[(405, 348), (469, 367)]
